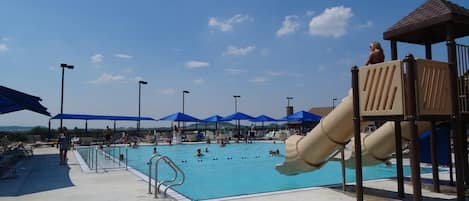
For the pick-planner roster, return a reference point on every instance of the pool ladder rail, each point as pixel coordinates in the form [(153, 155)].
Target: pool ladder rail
[(170, 182)]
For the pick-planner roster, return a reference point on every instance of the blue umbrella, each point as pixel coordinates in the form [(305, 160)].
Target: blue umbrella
[(237, 116), (214, 118), (302, 116), (263, 118), (180, 117)]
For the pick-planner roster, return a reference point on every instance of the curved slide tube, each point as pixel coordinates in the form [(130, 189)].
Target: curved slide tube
[(310, 152)]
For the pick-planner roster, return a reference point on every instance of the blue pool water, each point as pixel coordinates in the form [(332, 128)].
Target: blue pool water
[(251, 170)]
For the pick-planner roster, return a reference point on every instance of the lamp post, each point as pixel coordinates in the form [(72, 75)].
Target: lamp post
[(183, 93), (236, 110), (333, 102), (63, 66), (288, 100), (139, 100), (236, 102)]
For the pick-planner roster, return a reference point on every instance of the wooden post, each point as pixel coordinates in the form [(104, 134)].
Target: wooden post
[(433, 150), (399, 164), (358, 147), (428, 50), (393, 49), (456, 122), (411, 117)]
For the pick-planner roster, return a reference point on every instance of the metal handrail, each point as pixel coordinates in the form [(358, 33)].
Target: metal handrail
[(172, 165), (149, 171), (168, 161), (182, 173)]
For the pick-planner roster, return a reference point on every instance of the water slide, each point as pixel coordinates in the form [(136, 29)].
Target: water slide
[(310, 152)]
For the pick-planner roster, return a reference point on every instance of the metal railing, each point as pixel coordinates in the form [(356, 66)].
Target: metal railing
[(99, 157), (462, 56), (171, 182)]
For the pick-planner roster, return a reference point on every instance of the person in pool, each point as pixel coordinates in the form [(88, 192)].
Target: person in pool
[(198, 153)]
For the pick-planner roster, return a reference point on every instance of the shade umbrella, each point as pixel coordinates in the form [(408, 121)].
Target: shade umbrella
[(214, 118), (178, 116), (302, 116), (263, 118), (12, 101), (238, 116)]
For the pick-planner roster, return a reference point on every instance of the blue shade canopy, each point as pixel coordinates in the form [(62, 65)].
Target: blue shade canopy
[(12, 101), (263, 118), (214, 118), (237, 116), (302, 116), (100, 117), (180, 117)]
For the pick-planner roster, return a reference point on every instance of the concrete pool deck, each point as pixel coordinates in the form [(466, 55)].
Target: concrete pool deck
[(42, 178)]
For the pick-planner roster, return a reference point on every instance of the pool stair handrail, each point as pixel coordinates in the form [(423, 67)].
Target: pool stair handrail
[(171, 181)]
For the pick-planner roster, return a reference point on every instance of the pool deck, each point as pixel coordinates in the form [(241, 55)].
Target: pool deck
[(42, 178)]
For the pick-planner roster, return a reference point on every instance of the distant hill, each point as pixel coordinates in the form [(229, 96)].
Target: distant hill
[(16, 128)]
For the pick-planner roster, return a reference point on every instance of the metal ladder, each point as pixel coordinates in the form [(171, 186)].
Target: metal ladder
[(172, 182)]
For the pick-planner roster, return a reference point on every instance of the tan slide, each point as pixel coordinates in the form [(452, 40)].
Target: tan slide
[(310, 152)]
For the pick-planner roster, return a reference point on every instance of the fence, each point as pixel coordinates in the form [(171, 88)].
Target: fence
[(102, 158)]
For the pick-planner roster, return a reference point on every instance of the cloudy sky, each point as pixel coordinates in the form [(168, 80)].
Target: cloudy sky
[(261, 50)]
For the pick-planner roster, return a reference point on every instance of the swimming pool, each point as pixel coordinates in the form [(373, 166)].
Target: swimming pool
[(241, 169)]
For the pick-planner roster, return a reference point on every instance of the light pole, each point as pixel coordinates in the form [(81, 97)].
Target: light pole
[(236, 102), (333, 102), (288, 100), (184, 92), (63, 66), (139, 100), (236, 110)]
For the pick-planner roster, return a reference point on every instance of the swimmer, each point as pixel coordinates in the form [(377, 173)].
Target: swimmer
[(198, 153), (154, 150), (206, 149)]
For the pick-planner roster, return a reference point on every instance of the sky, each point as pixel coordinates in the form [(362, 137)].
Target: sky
[(263, 51)]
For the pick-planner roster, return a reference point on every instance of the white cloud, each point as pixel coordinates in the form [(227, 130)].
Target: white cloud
[(290, 25), (136, 79), (227, 25), (177, 49), (310, 13), (123, 56), (234, 71), (368, 24), (97, 58), (235, 51), (107, 78), (259, 80), (196, 64), (199, 81), (167, 91), (333, 22), (275, 73), (3, 48), (5, 39), (265, 52)]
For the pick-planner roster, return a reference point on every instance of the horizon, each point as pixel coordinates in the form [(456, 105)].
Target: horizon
[(263, 51)]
